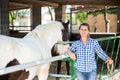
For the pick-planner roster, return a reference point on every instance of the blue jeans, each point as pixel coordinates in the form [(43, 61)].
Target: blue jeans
[(86, 75)]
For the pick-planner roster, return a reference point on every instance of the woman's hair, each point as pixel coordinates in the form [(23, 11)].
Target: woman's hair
[(84, 24)]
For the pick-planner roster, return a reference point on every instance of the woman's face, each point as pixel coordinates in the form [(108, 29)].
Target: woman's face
[(84, 31)]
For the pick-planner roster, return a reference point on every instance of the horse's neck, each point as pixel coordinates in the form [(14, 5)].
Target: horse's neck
[(53, 35), (50, 35)]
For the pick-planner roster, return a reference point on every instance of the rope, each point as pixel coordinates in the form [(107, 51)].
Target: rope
[(110, 70)]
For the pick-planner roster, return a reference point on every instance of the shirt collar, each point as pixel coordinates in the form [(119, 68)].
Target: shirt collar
[(86, 42)]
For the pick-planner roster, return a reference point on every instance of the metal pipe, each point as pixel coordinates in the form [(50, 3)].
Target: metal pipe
[(59, 75), (31, 64)]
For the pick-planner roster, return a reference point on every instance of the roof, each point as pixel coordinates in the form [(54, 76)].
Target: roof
[(21, 4)]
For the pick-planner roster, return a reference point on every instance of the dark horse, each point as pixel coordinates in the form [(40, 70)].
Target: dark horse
[(66, 37)]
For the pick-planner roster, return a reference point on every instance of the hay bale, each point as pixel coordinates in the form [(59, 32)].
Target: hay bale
[(91, 20), (100, 23)]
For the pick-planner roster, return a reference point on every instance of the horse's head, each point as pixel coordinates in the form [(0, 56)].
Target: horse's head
[(58, 49), (65, 31)]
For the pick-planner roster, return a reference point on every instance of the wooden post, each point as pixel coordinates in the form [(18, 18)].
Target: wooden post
[(118, 20), (4, 17), (60, 13), (35, 15), (70, 20), (107, 21)]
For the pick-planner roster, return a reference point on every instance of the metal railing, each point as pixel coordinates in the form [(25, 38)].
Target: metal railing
[(31, 64), (111, 45)]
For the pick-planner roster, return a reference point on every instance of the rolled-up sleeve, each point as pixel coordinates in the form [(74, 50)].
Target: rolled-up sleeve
[(73, 47), (99, 51)]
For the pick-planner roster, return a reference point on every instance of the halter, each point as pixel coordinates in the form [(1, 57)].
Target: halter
[(110, 70)]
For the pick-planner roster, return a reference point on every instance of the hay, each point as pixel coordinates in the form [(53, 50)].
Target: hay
[(98, 22), (91, 20)]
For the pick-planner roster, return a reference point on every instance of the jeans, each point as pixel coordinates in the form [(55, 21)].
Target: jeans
[(86, 75)]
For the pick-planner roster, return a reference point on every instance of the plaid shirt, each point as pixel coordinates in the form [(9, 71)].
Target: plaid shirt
[(85, 54)]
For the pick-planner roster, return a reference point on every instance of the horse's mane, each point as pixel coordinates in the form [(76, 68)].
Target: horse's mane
[(45, 29), (49, 33)]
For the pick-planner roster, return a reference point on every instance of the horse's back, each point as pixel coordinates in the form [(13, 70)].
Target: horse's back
[(8, 44)]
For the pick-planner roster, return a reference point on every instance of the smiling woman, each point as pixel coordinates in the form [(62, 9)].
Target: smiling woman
[(83, 52)]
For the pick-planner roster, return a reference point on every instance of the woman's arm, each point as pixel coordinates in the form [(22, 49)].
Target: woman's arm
[(71, 55), (102, 54)]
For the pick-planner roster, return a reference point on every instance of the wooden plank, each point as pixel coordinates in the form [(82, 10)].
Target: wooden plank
[(40, 3)]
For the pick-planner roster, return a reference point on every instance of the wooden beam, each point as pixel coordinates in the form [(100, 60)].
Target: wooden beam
[(17, 6), (37, 2), (91, 9), (86, 7), (4, 18), (87, 2)]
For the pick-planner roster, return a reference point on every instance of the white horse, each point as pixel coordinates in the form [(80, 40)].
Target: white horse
[(35, 45)]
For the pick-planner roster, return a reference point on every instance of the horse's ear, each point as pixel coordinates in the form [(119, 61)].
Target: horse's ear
[(67, 22)]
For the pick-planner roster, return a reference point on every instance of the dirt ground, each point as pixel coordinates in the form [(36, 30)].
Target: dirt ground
[(53, 70)]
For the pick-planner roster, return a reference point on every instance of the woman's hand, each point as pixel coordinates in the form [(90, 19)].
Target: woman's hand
[(110, 65), (109, 60), (71, 55)]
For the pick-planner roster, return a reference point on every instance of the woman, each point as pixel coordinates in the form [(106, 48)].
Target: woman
[(83, 51)]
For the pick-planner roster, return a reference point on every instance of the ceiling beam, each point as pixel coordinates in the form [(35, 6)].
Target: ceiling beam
[(87, 2), (36, 2), (90, 8), (17, 6), (86, 7)]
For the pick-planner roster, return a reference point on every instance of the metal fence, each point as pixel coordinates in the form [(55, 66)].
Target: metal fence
[(111, 45)]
